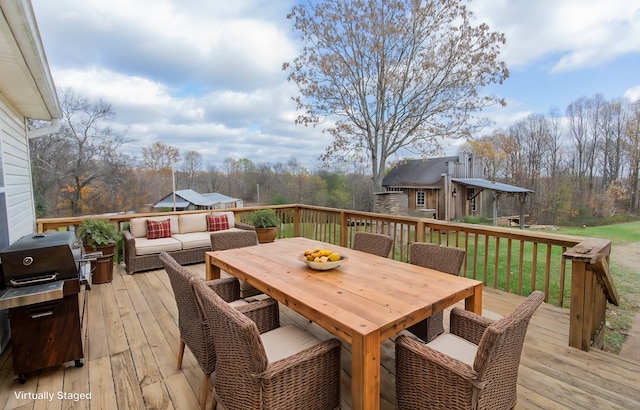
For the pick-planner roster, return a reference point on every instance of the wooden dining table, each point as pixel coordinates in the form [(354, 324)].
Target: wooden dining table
[(364, 301)]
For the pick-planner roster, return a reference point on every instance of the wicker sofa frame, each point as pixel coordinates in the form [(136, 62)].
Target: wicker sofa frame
[(138, 263)]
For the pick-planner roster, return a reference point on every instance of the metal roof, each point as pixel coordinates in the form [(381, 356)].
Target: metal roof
[(219, 198), (186, 197), (492, 185), (193, 197)]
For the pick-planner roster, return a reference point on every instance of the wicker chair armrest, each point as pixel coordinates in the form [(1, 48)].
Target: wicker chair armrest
[(242, 225), (265, 314), (433, 374), (468, 325), (227, 288), (286, 382)]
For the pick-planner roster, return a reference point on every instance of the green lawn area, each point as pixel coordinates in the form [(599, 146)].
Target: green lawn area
[(618, 234)]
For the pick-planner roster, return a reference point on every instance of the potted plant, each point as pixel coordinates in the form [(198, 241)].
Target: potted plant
[(266, 223), (99, 235)]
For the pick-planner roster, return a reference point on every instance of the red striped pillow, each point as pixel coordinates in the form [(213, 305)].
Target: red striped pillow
[(217, 222), (158, 229)]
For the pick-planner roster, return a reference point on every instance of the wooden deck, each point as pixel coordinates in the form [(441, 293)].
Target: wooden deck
[(131, 342)]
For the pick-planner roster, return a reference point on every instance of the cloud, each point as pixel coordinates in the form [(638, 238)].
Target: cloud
[(198, 75), (206, 75), (633, 94), (565, 35)]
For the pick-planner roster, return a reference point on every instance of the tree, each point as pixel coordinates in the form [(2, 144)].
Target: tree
[(632, 149), (392, 74), (159, 155), (490, 153), (191, 164), (81, 157)]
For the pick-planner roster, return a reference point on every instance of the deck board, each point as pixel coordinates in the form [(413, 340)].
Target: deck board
[(131, 344)]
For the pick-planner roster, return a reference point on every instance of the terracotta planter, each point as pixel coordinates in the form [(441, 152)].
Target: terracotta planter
[(266, 234), (102, 268)]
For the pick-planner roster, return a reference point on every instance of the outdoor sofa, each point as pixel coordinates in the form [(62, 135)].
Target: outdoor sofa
[(185, 237)]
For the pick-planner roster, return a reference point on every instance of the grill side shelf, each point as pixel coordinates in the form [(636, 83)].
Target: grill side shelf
[(16, 297)]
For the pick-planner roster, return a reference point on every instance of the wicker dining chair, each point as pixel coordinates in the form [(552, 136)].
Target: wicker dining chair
[(441, 258), (231, 239), (374, 243), (284, 368), (194, 331), (475, 366)]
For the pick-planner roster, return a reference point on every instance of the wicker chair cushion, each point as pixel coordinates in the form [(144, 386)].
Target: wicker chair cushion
[(456, 347), (286, 341), (238, 303), (146, 246), (192, 223)]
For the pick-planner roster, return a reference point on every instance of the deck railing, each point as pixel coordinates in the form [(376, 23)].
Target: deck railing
[(510, 259)]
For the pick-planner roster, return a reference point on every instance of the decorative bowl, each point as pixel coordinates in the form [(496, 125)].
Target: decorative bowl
[(323, 265)]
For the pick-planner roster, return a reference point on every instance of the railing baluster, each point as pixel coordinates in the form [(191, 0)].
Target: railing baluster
[(496, 264), (508, 267), (520, 267)]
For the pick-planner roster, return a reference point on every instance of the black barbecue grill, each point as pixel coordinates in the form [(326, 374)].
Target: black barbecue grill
[(42, 278)]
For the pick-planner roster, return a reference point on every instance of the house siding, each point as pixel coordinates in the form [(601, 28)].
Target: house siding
[(17, 173)]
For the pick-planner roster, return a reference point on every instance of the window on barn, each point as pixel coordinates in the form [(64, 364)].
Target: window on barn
[(420, 198)]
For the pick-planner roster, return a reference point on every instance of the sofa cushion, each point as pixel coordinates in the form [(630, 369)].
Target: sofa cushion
[(230, 217), (192, 223), (194, 240), (138, 226), (158, 229), (217, 222), (146, 246)]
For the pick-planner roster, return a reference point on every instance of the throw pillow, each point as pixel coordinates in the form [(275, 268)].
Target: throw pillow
[(158, 229), (217, 222)]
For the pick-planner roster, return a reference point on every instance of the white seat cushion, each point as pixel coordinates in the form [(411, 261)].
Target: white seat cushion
[(286, 341), (146, 246), (194, 239), (456, 347), (238, 303)]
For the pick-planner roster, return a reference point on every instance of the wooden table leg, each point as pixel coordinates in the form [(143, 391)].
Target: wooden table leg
[(365, 371), (212, 271), (474, 303)]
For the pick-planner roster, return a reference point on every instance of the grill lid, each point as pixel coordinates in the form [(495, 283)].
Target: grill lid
[(41, 255)]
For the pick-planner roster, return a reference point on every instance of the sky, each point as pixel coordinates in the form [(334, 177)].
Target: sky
[(206, 75)]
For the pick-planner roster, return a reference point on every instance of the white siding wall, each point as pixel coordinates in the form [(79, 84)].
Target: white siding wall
[(17, 173)]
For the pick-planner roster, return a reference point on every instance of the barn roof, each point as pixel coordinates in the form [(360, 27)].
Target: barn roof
[(419, 173)]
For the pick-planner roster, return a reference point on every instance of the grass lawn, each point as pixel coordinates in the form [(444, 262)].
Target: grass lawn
[(619, 233)]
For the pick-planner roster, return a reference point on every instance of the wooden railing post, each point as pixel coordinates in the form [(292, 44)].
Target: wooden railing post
[(591, 287), (296, 221)]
